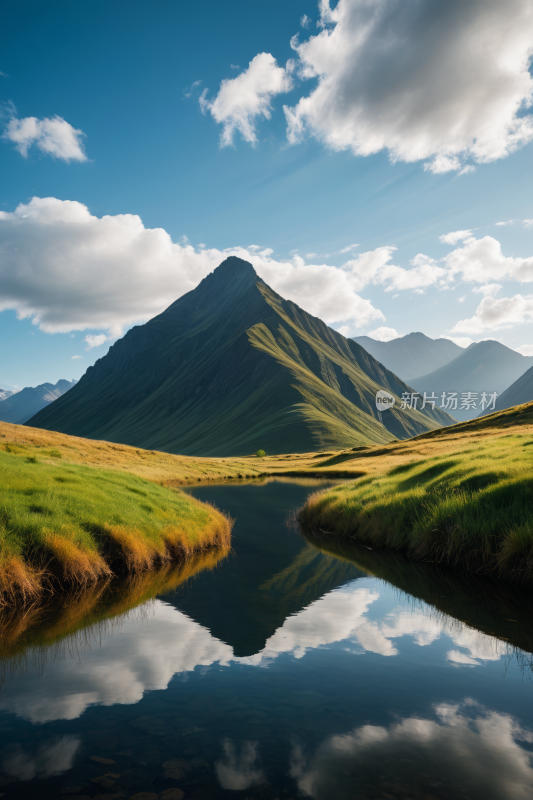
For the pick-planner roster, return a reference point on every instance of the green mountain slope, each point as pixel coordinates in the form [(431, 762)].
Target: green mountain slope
[(483, 367), (411, 355), (232, 367)]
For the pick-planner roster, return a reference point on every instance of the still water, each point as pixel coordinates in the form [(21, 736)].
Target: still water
[(291, 668)]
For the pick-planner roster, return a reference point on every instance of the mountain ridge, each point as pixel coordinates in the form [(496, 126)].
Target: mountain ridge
[(411, 355), (486, 366), (19, 407)]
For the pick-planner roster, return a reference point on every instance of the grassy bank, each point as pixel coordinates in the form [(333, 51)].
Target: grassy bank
[(69, 525), (467, 502), (76, 620)]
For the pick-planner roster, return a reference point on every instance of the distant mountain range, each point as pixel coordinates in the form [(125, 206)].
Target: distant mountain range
[(5, 393), (412, 355), (20, 406), (483, 367), (521, 391), (232, 367)]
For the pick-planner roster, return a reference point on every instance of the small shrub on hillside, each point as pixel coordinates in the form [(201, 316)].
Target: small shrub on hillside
[(260, 454)]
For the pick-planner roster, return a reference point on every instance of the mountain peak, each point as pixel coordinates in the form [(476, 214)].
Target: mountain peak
[(233, 275)]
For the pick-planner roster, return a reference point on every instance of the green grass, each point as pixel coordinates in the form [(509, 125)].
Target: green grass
[(65, 524), (471, 507)]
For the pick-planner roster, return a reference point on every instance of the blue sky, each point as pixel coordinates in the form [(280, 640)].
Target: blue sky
[(126, 81)]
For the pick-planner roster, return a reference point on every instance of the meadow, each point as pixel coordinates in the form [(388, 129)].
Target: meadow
[(460, 496), (69, 525), (74, 511)]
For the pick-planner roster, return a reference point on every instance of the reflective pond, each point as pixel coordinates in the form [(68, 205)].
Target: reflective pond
[(292, 667)]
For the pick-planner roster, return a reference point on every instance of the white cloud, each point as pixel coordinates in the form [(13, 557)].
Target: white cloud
[(374, 267), (455, 236), (462, 299), (508, 222), (489, 289), (347, 249), (480, 260), (242, 100), (384, 334), (73, 357), (95, 340), (305, 21), (68, 270), (53, 136), (492, 314), (528, 223), (441, 81), (525, 349)]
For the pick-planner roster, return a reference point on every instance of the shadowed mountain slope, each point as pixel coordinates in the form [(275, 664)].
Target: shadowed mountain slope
[(519, 392), (483, 367), (19, 407), (411, 355), (232, 367)]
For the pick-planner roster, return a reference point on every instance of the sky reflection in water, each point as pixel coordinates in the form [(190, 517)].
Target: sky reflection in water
[(361, 692)]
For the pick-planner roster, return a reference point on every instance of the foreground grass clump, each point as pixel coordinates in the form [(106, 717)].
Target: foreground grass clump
[(470, 506), (64, 525)]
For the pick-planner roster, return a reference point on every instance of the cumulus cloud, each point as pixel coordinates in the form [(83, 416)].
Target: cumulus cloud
[(384, 334), (482, 261), (443, 81), (69, 270), (241, 101), (525, 349), (52, 135), (492, 314), (374, 267)]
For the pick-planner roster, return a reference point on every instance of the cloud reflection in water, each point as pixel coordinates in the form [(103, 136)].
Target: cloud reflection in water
[(146, 655)]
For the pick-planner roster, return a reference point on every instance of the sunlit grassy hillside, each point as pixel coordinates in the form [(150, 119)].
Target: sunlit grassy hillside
[(461, 496), (64, 524)]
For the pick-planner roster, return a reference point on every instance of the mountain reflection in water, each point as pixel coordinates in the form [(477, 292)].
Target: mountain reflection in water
[(293, 667)]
